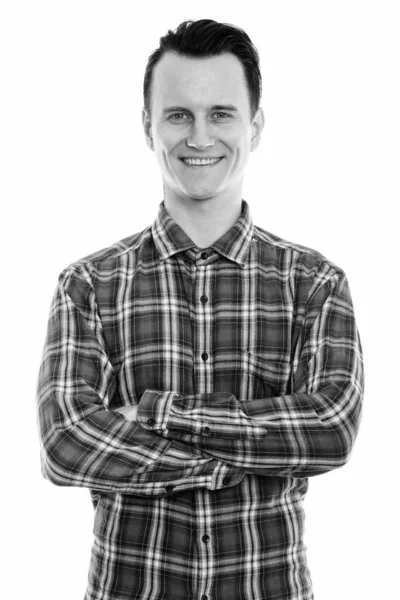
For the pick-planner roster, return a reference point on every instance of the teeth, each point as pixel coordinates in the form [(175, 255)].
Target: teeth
[(200, 161)]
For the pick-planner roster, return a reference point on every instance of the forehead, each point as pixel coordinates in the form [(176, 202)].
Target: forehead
[(218, 80)]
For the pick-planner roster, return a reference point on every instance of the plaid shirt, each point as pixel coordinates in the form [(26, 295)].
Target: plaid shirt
[(245, 362)]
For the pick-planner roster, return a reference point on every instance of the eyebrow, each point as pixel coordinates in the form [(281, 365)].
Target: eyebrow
[(229, 107)]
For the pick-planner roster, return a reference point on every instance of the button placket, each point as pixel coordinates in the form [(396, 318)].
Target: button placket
[(203, 382)]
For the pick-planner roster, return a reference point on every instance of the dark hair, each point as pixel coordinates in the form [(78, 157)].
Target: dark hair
[(206, 38)]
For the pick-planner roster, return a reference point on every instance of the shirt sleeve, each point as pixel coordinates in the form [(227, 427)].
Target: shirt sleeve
[(85, 444), (307, 432)]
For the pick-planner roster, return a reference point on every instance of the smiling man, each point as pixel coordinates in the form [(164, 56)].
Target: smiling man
[(197, 373)]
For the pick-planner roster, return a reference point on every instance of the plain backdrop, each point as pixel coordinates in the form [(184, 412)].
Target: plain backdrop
[(76, 176)]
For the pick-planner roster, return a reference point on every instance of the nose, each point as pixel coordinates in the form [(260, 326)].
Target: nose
[(199, 137), (199, 146)]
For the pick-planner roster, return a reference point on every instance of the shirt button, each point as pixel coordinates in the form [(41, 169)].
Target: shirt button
[(169, 488), (204, 356), (206, 538), (204, 299), (226, 481), (151, 422), (206, 430), (204, 255)]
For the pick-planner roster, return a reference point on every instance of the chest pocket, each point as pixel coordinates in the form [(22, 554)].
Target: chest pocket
[(261, 377)]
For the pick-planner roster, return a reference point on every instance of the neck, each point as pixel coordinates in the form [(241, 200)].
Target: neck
[(204, 221)]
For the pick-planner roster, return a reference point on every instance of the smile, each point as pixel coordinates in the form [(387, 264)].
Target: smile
[(200, 162)]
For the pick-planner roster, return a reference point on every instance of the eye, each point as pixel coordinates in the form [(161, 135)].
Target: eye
[(177, 116), (222, 114)]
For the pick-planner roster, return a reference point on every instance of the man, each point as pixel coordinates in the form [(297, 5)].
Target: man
[(196, 374)]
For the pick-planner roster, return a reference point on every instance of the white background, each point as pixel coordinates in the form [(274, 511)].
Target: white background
[(76, 176)]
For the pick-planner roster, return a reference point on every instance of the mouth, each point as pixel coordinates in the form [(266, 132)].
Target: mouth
[(201, 162)]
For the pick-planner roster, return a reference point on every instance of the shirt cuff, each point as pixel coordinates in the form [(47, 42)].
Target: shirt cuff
[(154, 409), (225, 476)]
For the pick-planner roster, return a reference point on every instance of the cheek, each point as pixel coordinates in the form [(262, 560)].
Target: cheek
[(237, 140), (244, 147), (167, 138)]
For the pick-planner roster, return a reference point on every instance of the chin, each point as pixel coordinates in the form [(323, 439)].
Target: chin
[(200, 196), (200, 193)]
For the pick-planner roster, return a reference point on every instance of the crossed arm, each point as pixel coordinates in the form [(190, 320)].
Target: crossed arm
[(85, 444), (189, 441)]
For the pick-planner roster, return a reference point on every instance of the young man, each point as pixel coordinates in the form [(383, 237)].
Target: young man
[(196, 374)]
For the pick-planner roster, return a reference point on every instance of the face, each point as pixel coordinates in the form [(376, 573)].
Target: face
[(201, 128)]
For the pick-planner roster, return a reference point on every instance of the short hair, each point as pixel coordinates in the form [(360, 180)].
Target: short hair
[(207, 38)]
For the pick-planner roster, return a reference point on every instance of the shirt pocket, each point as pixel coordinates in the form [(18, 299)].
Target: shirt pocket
[(263, 377)]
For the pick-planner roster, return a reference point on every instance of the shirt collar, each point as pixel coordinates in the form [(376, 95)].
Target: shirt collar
[(170, 238)]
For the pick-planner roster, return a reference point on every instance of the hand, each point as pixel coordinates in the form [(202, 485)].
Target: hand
[(129, 412)]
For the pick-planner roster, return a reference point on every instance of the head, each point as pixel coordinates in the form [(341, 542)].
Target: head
[(202, 91)]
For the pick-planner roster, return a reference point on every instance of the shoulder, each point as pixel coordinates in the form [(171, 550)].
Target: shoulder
[(296, 258), (107, 259)]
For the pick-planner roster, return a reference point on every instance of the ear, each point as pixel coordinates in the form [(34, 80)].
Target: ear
[(257, 128), (147, 128)]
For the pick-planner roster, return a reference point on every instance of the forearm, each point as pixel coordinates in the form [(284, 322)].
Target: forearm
[(106, 452), (286, 435)]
